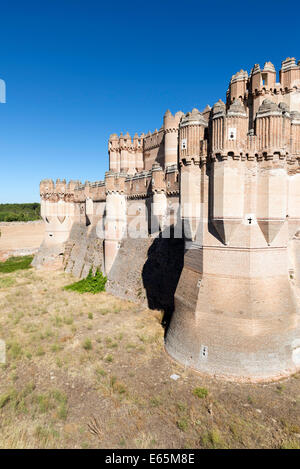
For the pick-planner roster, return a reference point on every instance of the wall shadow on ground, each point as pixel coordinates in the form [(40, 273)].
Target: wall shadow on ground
[(161, 273)]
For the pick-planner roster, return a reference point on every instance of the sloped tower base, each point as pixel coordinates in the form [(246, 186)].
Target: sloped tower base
[(244, 329)]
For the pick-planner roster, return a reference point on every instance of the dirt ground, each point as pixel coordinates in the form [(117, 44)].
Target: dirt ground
[(17, 237), (90, 371)]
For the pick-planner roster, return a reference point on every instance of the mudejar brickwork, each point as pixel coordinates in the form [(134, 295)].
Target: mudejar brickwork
[(201, 218)]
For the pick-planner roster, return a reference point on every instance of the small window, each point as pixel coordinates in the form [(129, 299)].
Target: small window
[(232, 133), (139, 143), (183, 144), (204, 352)]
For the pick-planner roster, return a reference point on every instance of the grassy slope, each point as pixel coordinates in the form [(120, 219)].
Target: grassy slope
[(12, 264), (74, 360)]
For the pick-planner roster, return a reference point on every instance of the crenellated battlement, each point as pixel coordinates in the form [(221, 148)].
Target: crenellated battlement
[(264, 80), (260, 121), (59, 190), (262, 83), (153, 140), (125, 153), (73, 191)]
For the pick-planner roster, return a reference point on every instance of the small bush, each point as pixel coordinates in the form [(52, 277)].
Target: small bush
[(51, 400), (62, 400), (91, 284), (62, 411), (14, 349), (16, 263), (182, 424), (68, 320), (200, 392), (87, 344), (43, 402), (56, 348), (40, 351), (100, 372), (5, 398), (213, 440), (120, 388)]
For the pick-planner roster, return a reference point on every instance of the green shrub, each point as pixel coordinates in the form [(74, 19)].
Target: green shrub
[(51, 400), (15, 263), (100, 372), (182, 424), (5, 398), (213, 439), (14, 349), (20, 212), (90, 284), (87, 344), (200, 392)]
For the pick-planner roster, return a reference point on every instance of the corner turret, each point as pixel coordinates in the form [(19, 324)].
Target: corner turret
[(171, 124)]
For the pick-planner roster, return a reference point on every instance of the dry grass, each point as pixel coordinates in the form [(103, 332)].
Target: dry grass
[(87, 371)]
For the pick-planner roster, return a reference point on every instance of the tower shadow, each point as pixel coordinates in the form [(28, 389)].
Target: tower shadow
[(161, 273)]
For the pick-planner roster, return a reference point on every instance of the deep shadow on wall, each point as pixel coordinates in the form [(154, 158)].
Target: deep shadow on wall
[(161, 272)]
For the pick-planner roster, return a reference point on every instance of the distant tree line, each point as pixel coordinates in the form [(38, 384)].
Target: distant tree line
[(20, 212)]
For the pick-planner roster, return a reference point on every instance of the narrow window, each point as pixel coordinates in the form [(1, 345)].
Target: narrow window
[(232, 133)]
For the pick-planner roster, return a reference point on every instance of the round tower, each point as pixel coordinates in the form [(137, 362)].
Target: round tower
[(125, 143), (115, 220), (114, 153), (171, 124), (236, 313), (229, 135), (272, 128), (138, 151), (191, 136)]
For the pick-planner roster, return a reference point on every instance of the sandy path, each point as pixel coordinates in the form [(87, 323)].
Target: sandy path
[(21, 236)]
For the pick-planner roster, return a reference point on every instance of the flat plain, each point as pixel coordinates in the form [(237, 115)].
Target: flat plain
[(18, 236)]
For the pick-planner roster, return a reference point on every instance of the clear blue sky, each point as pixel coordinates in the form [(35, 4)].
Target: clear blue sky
[(78, 70)]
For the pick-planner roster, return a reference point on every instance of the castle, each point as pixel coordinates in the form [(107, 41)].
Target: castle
[(201, 218)]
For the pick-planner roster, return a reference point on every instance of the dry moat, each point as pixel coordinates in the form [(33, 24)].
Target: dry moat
[(90, 371)]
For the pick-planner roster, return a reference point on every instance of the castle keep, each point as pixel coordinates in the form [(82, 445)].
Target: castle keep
[(201, 218)]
